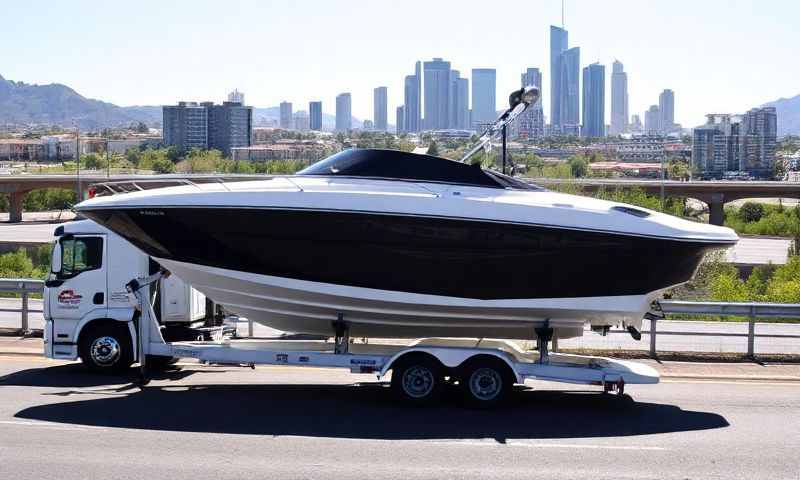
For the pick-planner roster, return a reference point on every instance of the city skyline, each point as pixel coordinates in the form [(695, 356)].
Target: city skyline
[(654, 55)]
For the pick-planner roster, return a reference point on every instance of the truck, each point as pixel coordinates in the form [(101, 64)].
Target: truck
[(87, 310)]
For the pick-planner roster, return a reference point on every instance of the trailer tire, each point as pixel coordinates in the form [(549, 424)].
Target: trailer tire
[(418, 379), (106, 348), (486, 381)]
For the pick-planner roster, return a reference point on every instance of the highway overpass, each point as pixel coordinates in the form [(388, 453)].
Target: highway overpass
[(714, 193)]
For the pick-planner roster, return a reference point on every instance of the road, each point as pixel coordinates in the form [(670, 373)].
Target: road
[(279, 422)]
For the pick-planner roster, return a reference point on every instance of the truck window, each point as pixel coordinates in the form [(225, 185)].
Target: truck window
[(80, 254)]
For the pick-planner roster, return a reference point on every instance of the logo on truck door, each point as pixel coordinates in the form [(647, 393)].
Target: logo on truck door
[(69, 299)]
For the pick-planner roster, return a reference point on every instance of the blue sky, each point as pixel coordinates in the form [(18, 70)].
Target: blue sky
[(717, 55)]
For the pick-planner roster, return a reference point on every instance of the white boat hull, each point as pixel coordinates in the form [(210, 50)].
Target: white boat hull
[(311, 307)]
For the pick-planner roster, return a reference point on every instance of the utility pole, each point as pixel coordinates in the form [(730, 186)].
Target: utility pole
[(78, 162)]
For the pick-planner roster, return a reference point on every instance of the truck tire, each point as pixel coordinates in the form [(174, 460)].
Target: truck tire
[(106, 348), (486, 381), (418, 380)]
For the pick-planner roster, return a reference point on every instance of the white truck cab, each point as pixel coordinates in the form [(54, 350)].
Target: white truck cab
[(88, 312)]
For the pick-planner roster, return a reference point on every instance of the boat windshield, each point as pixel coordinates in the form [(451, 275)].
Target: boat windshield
[(395, 164)]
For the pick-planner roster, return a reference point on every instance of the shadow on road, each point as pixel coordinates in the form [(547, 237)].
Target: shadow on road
[(351, 411)]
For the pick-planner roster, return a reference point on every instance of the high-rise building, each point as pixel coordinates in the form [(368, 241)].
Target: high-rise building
[(636, 124), (619, 99), (412, 101), (484, 97), (236, 96), (301, 121), (594, 101), (564, 82), (437, 91), (458, 101), (758, 141), (315, 116), (207, 126), (652, 121), (559, 41), (666, 108), (400, 119), (343, 112), (411, 120), (531, 122), (286, 115), (380, 109)]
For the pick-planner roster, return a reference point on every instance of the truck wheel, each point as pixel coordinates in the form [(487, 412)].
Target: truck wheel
[(418, 380), (486, 382), (106, 349)]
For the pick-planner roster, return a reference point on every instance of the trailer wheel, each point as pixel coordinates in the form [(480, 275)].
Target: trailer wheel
[(486, 381), (418, 379), (106, 348)]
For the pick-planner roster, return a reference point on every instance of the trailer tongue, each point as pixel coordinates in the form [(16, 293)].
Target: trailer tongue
[(485, 370)]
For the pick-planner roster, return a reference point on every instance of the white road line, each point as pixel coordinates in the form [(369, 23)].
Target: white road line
[(552, 445), (782, 383), (54, 426)]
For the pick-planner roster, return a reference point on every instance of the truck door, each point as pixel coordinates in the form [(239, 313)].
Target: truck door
[(80, 285)]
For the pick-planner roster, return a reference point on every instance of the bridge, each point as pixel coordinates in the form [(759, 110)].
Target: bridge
[(714, 193), (17, 186)]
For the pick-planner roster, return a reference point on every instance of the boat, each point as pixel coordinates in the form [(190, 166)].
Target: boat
[(401, 245)]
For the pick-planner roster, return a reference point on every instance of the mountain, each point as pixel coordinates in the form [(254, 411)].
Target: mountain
[(57, 104), (60, 105), (788, 110)]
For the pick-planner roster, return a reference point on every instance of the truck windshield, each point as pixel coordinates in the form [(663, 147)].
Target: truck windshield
[(79, 254)]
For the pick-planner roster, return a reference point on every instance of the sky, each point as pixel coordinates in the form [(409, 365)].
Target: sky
[(722, 56)]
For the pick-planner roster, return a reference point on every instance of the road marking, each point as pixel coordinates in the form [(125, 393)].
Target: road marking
[(55, 426), (552, 445), (785, 383)]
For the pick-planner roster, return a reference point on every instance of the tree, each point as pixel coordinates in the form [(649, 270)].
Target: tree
[(141, 127), (578, 165), (433, 148), (751, 212)]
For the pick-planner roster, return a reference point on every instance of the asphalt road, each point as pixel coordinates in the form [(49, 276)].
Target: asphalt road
[(281, 422)]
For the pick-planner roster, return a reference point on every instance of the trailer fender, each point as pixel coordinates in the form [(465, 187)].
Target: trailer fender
[(452, 357)]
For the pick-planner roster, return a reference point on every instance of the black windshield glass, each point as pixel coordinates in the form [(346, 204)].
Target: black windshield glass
[(401, 165)]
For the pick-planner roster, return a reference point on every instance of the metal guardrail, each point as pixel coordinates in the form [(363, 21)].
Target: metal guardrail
[(751, 310), (24, 287)]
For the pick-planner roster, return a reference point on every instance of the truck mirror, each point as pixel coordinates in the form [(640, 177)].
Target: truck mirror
[(55, 259)]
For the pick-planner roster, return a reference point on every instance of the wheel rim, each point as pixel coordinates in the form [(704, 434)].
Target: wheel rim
[(418, 381), (485, 384), (105, 351)]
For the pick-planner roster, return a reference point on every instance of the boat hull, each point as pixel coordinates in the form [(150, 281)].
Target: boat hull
[(406, 275)]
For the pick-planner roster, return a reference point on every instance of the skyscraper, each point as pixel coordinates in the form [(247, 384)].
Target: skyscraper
[(411, 104), (343, 112), (666, 107), (559, 40), (286, 115), (315, 115), (418, 110), (301, 121), (457, 101), (236, 96), (484, 96), (531, 122), (619, 99), (594, 101), (758, 141), (652, 121), (437, 88), (400, 119), (380, 109), (570, 90)]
